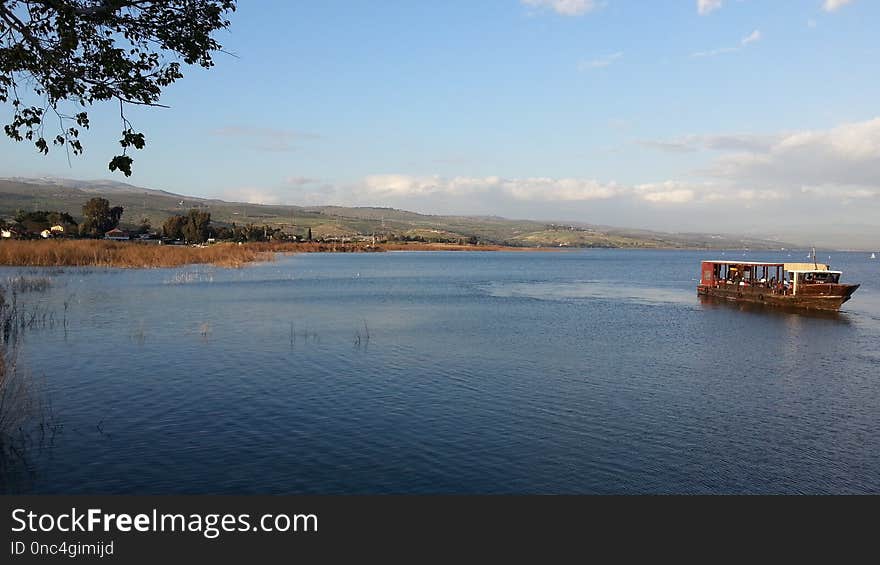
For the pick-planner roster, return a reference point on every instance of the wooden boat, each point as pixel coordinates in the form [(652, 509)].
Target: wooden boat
[(812, 286)]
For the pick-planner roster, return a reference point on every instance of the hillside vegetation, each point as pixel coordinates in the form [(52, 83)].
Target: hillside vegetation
[(334, 222)]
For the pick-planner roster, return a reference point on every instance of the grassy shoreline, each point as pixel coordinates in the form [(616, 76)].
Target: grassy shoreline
[(130, 255)]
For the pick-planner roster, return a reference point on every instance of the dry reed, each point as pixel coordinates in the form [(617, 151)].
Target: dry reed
[(97, 253), (132, 255)]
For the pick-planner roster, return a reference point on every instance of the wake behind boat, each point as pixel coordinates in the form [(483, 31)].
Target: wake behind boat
[(811, 286)]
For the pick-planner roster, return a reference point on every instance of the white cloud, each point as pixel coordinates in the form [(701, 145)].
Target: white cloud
[(678, 192), (408, 185), (564, 7), (832, 173), (839, 164), (528, 189), (834, 5), (569, 189), (746, 195), (380, 188), (719, 142), (845, 192), (751, 38), (251, 195), (600, 62), (847, 155), (708, 6), (669, 192)]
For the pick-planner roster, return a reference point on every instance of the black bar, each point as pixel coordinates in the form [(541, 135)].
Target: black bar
[(417, 528)]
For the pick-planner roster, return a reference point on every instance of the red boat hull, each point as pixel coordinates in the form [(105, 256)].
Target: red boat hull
[(813, 297)]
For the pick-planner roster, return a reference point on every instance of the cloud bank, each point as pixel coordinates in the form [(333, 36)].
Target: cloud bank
[(525, 189), (836, 166), (847, 155), (739, 182)]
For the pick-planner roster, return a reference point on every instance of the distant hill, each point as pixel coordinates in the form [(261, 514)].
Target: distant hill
[(66, 195)]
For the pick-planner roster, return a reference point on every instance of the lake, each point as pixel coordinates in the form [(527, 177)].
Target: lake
[(590, 371)]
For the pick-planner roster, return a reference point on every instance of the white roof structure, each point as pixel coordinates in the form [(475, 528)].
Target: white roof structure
[(790, 267), (756, 263)]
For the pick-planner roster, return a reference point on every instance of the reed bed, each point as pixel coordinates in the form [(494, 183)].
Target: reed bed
[(29, 284), (133, 255), (26, 419), (130, 255)]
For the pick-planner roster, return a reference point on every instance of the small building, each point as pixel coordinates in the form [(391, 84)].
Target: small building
[(11, 232), (57, 229), (46, 234), (117, 234)]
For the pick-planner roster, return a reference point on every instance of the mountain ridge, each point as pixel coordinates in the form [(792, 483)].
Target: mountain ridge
[(68, 195)]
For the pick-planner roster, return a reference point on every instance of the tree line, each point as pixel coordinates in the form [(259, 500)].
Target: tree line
[(99, 218)]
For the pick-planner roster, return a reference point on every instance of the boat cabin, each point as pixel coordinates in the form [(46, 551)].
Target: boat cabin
[(779, 278)]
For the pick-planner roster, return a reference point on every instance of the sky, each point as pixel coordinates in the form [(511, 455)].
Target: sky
[(681, 115)]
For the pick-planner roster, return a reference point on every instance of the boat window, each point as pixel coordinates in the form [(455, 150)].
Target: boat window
[(827, 277), (819, 278)]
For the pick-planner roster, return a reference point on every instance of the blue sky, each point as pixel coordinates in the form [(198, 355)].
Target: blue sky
[(680, 114)]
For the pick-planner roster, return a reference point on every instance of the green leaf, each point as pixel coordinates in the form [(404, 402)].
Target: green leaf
[(122, 163)]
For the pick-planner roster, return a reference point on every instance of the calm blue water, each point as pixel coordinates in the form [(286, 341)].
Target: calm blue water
[(594, 371)]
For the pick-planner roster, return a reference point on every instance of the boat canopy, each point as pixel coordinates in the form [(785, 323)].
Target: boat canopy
[(806, 267), (791, 267), (757, 263)]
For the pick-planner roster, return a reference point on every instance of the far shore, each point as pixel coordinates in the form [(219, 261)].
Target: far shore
[(136, 255), (133, 255)]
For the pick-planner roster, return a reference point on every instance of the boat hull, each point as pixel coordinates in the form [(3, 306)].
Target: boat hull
[(826, 297)]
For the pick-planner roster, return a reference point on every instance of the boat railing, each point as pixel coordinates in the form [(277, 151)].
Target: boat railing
[(775, 287)]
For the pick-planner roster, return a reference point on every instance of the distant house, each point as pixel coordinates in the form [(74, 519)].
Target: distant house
[(57, 229), (116, 234), (12, 232), (45, 234)]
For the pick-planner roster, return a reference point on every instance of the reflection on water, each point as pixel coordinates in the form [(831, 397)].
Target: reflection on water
[(588, 290), (575, 372), (766, 310)]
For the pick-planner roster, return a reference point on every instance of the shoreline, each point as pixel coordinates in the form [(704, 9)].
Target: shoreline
[(136, 255)]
